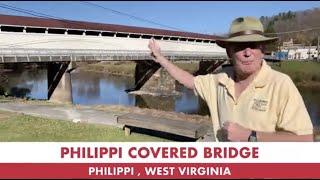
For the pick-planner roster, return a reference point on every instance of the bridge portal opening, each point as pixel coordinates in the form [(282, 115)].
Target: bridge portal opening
[(12, 29)]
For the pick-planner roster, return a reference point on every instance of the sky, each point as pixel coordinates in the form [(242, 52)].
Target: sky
[(206, 17)]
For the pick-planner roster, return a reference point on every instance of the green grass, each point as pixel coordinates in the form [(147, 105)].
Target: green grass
[(300, 71), (128, 68), (190, 67), (117, 68), (14, 127)]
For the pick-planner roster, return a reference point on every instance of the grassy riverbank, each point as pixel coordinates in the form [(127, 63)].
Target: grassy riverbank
[(16, 127), (126, 68), (22, 128), (302, 73), (306, 74), (36, 126)]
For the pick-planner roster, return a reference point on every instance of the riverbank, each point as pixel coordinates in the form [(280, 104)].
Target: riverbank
[(126, 68), (304, 74), (123, 68), (42, 121), (115, 110), (25, 128)]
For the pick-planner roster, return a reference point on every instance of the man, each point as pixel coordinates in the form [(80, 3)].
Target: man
[(249, 101)]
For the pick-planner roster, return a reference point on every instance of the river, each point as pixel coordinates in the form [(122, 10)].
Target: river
[(90, 88)]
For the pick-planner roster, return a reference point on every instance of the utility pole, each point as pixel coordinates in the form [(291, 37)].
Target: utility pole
[(318, 57), (309, 57)]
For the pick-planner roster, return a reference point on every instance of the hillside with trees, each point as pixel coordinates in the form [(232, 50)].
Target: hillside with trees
[(294, 21)]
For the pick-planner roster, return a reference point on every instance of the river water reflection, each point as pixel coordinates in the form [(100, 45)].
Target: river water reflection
[(90, 88)]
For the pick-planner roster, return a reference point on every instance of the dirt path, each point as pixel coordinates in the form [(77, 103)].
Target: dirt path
[(99, 114)]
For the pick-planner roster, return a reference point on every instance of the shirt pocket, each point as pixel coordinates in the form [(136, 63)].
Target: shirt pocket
[(261, 116)]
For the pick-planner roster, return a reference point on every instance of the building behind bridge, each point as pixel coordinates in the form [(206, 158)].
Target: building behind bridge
[(291, 51)]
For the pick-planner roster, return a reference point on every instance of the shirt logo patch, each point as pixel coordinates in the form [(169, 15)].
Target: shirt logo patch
[(259, 105)]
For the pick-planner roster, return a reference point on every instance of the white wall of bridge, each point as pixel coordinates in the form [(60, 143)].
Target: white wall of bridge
[(61, 41)]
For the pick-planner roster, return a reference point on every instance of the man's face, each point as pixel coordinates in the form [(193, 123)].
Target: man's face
[(246, 57)]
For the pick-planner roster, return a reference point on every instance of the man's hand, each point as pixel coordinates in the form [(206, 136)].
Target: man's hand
[(155, 49), (236, 132), (180, 75)]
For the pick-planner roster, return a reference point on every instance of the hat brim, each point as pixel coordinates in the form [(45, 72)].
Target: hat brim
[(246, 38)]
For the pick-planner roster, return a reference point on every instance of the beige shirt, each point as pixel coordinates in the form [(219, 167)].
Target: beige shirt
[(270, 103)]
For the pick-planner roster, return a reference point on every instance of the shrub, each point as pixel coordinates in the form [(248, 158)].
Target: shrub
[(315, 77)]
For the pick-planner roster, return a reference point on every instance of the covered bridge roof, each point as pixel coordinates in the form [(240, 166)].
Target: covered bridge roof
[(70, 24)]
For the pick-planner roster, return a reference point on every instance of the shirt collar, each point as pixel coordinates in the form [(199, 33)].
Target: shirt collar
[(226, 78), (261, 79)]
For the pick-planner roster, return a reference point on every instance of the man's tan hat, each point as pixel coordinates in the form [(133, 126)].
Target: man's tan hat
[(245, 29)]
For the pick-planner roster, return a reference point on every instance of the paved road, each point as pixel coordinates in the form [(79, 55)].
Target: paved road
[(67, 112), (63, 112)]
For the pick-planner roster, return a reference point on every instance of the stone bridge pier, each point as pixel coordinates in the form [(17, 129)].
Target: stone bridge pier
[(206, 67), (151, 78), (59, 82)]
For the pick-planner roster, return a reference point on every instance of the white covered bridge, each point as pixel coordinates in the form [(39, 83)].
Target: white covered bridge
[(24, 47), (28, 39), (58, 42)]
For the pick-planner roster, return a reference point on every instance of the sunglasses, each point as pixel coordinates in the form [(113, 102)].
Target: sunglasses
[(242, 46)]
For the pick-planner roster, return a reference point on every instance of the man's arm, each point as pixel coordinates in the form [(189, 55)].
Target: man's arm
[(180, 75), (238, 133), (283, 136)]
